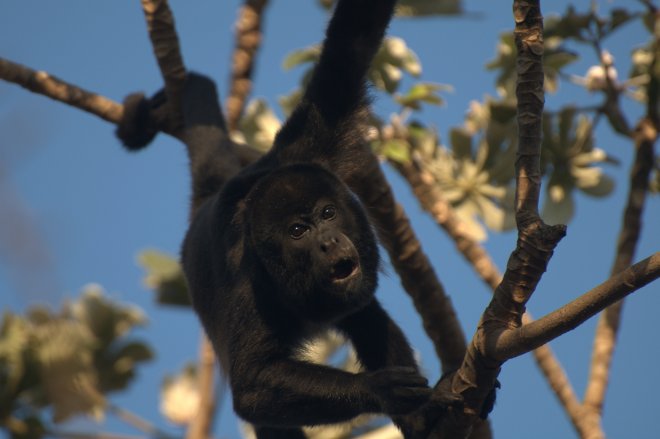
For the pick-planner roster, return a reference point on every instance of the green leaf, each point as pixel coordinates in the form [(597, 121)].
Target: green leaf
[(603, 187), (393, 58), (14, 342), (104, 318), (422, 92), (396, 150), (301, 56), (164, 274), (558, 209), (619, 17), (461, 143), (117, 366), (289, 102), (502, 111), (64, 351), (570, 25)]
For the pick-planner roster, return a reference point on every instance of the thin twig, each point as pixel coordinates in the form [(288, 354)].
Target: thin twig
[(63, 434), (136, 421)]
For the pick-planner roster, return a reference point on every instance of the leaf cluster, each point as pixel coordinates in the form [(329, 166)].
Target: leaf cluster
[(66, 361)]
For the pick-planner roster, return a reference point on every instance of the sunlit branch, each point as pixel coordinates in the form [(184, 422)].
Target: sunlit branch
[(515, 342), (45, 84), (165, 42), (248, 41)]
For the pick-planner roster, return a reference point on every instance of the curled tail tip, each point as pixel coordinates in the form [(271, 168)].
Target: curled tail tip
[(136, 130)]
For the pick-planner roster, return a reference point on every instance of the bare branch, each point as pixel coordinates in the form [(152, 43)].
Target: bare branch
[(54, 88), (431, 200), (200, 428), (644, 137), (513, 343), (536, 241), (62, 434), (411, 264), (136, 421), (248, 40), (608, 325), (160, 23)]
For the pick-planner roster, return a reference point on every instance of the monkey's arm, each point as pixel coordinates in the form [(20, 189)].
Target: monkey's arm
[(380, 343), (334, 100), (377, 339), (286, 392)]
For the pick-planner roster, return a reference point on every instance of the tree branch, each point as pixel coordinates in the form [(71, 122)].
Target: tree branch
[(411, 264), (515, 342), (608, 325), (200, 427), (54, 88), (248, 40), (432, 201), (165, 42), (607, 329), (536, 241)]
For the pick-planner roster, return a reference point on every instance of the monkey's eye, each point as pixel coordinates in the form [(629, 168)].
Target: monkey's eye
[(328, 212), (296, 231)]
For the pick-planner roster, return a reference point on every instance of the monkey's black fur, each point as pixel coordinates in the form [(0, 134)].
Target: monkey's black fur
[(283, 250)]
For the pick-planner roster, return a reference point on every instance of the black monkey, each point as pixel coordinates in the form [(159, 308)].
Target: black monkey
[(283, 250)]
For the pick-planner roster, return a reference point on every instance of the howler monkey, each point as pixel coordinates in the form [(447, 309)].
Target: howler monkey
[(283, 250)]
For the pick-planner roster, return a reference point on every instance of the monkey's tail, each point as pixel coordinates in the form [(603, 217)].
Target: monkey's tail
[(141, 119)]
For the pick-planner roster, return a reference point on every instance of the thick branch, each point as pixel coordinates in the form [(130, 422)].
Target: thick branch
[(160, 24), (248, 40), (536, 241), (54, 88), (432, 201)]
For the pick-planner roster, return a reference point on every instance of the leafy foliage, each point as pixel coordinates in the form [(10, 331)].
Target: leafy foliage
[(66, 361), (555, 58), (165, 276), (569, 157)]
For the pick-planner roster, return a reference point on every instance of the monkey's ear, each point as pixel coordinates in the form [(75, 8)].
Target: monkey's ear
[(138, 127)]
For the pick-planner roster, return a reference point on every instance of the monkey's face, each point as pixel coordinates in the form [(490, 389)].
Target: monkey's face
[(315, 243)]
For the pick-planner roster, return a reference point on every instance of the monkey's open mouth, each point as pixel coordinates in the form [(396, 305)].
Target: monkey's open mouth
[(343, 269)]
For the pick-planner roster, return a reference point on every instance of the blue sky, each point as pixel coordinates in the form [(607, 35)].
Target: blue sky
[(89, 207)]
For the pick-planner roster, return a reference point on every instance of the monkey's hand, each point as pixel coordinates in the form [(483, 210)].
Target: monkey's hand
[(398, 390), (420, 423)]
